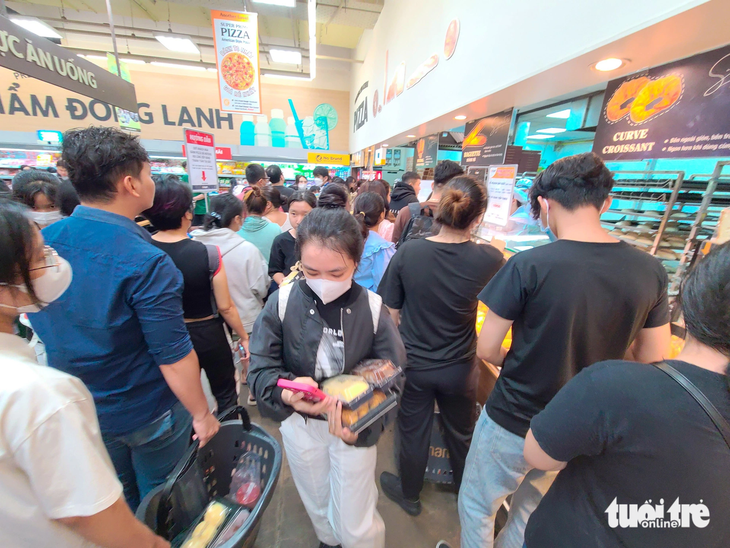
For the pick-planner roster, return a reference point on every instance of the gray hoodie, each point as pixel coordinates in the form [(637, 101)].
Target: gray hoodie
[(246, 269)]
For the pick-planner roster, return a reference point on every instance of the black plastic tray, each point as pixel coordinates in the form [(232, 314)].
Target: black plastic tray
[(374, 414)]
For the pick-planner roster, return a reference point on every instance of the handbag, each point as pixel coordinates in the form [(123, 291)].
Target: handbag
[(720, 422)]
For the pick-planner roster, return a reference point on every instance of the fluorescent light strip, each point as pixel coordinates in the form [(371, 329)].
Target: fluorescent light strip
[(283, 3), (176, 66), (285, 76), (562, 114), (180, 44), (552, 130), (287, 56), (36, 26), (540, 136), (133, 61)]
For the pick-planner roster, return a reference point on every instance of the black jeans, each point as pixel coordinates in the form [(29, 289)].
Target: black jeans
[(454, 388), (214, 353)]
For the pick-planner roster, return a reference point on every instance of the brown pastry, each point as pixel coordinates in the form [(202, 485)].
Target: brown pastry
[(377, 398), (375, 371), (349, 417)]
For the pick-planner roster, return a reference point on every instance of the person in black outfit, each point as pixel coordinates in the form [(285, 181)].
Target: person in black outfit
[(405, 192), (584, 298), (431, 288), (206, 299), (283, 251), (625, 433), (276, 178)]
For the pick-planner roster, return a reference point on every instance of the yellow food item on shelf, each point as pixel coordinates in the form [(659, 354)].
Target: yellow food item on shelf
[(345, 387)]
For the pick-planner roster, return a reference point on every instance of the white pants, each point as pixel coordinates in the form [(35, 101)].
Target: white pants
[(336, 483)]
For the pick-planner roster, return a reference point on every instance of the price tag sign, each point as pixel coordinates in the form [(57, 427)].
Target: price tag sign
[(500, 187), (200, 154)]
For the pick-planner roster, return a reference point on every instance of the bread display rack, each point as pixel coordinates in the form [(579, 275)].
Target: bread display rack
[(646, 213), (704, 197)]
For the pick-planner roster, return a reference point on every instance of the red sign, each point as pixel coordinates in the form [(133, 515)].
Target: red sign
[(199, 138), (221, 153)]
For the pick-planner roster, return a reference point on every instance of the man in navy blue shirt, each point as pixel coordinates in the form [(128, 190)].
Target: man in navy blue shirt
[(119, 327)]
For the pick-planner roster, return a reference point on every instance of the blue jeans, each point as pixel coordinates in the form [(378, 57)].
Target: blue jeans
[(144, 459), (495, 469)]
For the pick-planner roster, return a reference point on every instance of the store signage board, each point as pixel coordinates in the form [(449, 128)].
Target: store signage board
[(485, 140), (236, 40), (500, 187), (221, 153), (678, 110), (128, 121), (325, 158), (427, 151), (200, 154), (24, 52)]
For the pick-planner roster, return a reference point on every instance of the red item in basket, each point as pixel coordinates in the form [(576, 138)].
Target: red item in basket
[(248, 494)]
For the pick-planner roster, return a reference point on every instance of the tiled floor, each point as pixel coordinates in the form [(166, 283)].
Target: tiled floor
[(286, 524)]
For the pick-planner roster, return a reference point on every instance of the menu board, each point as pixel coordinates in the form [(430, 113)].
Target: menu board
[(485, 140), (427, 151), (202, 166), (500, 187), (236, 40), (678, 110)]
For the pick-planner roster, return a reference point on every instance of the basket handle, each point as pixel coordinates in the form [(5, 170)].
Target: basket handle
[(242, 414), (164, 507)]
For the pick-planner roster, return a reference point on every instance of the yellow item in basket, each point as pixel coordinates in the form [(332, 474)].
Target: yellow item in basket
[(345, 387), (215, 514)]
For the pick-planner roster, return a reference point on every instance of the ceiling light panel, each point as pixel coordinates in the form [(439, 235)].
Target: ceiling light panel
[(287, 56), (541, 136), (36, 26), (176, 66), (284, 3), (552, 130), (562, 114), (179, 44)]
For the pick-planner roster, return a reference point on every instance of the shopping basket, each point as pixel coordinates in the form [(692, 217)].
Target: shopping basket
[(205, 473)]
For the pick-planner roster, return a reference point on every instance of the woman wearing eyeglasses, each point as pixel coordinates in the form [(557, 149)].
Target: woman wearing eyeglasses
[(57, 484)]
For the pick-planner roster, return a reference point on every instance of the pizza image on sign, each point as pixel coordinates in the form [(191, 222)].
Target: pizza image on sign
[(238, 71)]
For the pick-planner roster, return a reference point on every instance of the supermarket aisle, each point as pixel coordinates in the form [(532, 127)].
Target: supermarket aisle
[(286, 524)]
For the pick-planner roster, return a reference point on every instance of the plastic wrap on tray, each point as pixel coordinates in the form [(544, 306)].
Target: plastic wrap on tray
[(351, 390), (380, 373), (231, 528), (367, 412), (208, 527)]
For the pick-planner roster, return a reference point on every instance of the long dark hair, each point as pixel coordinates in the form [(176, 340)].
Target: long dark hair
[(173, 199), (273, 195), (705, 300), (333, 196), (17, 243), (223, 209), (255, 201), (303, 196), (333, 228), (367, 210)]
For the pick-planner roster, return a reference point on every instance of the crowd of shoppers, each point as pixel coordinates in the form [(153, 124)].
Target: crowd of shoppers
[(129, 319)]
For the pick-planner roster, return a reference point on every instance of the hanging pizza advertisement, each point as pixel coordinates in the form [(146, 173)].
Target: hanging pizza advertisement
[(485, 140), (427, 150), (678, 110), (237, 58)]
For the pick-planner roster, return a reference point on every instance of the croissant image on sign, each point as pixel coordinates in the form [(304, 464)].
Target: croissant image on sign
[(642, 98)]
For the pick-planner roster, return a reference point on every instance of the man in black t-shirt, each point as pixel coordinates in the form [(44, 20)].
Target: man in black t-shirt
[(584, 298), (642, 464)]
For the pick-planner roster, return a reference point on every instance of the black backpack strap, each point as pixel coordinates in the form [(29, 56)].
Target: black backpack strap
[(214, 265), (720, 422)]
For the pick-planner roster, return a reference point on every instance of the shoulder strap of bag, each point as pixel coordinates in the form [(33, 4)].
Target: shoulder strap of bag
[(284, 293), (720, 422), (215, 260)]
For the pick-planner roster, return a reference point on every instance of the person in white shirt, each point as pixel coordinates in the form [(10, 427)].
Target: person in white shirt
[(57, 483)]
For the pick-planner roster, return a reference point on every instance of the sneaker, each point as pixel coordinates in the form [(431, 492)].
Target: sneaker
[(443, 544), (250, 401), (393, 489)]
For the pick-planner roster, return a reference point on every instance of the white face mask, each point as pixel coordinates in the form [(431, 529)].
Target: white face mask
[(45, 218), (48, 287), (329, 290), (302, 186)]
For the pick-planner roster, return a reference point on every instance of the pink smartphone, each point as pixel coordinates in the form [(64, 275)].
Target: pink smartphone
[(311, 393)]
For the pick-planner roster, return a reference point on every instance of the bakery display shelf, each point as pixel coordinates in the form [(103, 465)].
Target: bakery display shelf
[(716, 195)]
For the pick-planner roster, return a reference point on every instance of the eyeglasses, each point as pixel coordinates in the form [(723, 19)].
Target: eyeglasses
[(50, 259)]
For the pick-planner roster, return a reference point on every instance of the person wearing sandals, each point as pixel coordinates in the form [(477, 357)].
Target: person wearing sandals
[(311, 330)]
